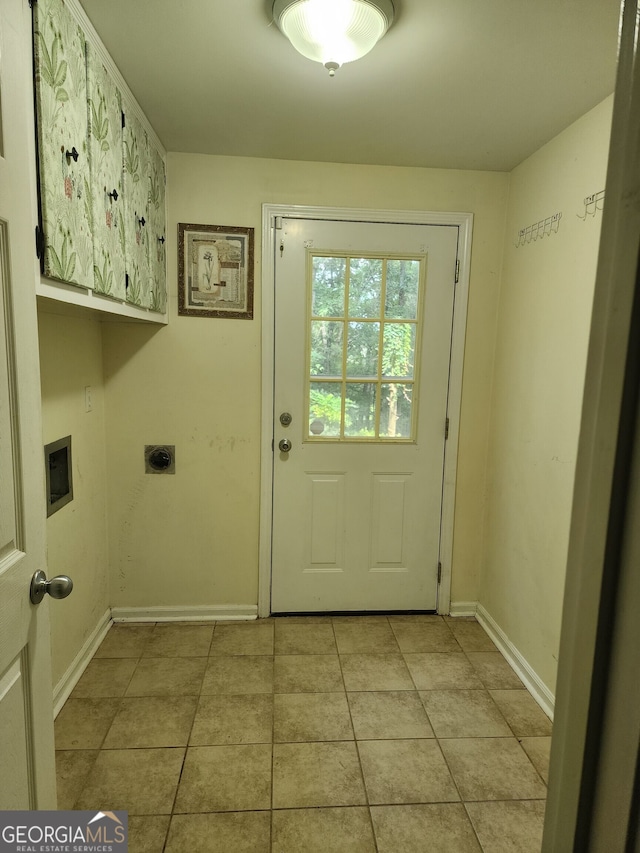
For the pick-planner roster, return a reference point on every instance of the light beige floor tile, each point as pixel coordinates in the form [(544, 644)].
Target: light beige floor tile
[(464, 713), (140, 781), (365, 638), (179, 641), (415, 637), (105, 677), (441, 827), (538, 749), (437, 671), (125, 641), (248, 638), (508, 827), (362, 618), (375, 672), (152, 721), (428, 618), (522, 712), (405, 771), (237, 674), (233, 719), (72, 768), (167, 677), (492, 769), (307, 674), (493, 670), (297, 639), (472, 636), (336, 830), (225, 832), (83, 723), (306, 775), (302, 717), (225, 779), (388, 715), (147, 833)]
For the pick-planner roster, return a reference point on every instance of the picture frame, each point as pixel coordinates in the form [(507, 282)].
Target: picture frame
[(215, 271)]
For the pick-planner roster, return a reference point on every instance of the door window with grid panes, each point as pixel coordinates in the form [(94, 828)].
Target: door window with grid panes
[(363, 346)]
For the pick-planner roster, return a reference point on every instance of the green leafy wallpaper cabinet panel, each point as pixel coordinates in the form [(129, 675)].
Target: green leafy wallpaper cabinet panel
[(105, 149), (157, 235), (61, 97), (136, 206)]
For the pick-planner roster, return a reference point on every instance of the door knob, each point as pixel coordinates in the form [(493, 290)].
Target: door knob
[(58, 587), (285, 445)]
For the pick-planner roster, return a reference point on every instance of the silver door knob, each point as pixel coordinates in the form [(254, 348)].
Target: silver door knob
[(285, 445), (58, 587)]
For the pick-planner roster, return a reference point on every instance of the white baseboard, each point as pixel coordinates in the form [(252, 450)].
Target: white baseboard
[(80, 662), (215, 613), (463, 608), (532, 681)]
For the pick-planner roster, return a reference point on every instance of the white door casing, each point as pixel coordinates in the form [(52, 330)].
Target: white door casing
[(371, 480), (27, 779)]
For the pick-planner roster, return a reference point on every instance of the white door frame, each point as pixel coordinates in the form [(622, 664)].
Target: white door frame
[(464, 221)]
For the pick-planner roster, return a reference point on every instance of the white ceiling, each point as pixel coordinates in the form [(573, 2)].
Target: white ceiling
[(463, 84)]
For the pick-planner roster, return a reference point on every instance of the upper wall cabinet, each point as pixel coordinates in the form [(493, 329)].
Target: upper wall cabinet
[(137, 171), (107, 200), (61, 91), (102, 182)]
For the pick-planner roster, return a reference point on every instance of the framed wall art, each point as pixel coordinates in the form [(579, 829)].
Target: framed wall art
[(215, 271)]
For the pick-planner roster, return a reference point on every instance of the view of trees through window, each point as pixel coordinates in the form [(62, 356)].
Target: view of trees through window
[(363, 346)]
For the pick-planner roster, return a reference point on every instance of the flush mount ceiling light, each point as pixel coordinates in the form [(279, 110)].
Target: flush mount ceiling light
[(333, 31)]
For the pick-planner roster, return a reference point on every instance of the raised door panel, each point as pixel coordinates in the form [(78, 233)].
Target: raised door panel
[(61, 96), (105, 148), (136, 205), (157, 232)]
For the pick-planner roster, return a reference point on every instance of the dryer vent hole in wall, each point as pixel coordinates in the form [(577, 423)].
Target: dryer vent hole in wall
[(57, 462), (160, 459)]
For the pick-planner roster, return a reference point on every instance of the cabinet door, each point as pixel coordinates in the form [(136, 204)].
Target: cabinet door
[(136, 207), (105, 150), (157, 235), (61, 97)]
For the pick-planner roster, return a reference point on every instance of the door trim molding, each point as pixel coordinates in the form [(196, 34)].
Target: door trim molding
[(464, 222)]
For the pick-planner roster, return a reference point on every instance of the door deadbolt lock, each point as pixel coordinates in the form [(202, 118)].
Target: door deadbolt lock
[(285, 445), (58, 587), (285, 419)]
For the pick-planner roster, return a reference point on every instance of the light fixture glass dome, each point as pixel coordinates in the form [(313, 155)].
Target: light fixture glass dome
[(333, 31)]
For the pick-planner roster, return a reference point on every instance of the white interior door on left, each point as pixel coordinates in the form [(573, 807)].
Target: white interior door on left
[(27, 774)]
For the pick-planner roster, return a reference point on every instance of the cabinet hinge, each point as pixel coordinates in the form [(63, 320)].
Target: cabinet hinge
[(446, 429), (457, 279), (39, 242), (439, 572)]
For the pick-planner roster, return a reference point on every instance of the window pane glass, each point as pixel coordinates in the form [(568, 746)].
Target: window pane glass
[(363, 341), (325, 406), (328, 276), (326, 348), (403, 283), (365, 285), (398, 353), (360, 409), (395, 410)]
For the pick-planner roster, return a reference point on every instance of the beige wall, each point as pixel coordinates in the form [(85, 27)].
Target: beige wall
[(192, 538), (70, 359), (544, 316)]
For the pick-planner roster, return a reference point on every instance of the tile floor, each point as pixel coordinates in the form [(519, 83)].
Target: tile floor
[(396, 734)]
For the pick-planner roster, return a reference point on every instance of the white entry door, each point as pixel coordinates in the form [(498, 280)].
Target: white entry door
[(27, 778), (363, 319)]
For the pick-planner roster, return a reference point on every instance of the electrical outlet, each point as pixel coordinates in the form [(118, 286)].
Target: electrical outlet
[(88, 406)]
